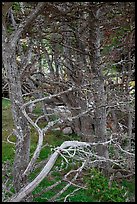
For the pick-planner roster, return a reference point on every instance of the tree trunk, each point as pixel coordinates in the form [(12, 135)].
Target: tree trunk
[(100, 116), (21, 131), (9, 44), (98, 81), (82, 126)]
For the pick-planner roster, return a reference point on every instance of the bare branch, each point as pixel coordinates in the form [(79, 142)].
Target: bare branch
[(16, 34), (29, 188)]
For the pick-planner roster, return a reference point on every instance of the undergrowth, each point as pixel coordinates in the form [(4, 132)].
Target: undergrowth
[(97, 184)]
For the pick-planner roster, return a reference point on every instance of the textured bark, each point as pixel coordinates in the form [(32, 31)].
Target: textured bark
[(82, 125), (98, 81), (114, 121), (21, 126), (100, 116), (13, 74), (129, 108)]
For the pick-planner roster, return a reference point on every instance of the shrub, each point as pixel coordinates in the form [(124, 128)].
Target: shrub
[(101, 192)]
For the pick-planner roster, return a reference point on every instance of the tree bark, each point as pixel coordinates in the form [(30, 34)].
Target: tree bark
[(9, 44), (21, 125), (82, 126), (21, 131), (98, 81)]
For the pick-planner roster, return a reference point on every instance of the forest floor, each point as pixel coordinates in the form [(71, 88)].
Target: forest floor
[(97, 188)]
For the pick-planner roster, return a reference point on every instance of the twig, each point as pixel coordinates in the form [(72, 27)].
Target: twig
[(68, 185), (77, 189), (47, 189), (9, 140)]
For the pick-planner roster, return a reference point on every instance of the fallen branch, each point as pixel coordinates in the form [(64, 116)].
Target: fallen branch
[(44, 172)]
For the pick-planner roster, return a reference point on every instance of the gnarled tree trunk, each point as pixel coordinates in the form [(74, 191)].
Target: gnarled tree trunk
[(21, 131), (9, 45), (98, 81)]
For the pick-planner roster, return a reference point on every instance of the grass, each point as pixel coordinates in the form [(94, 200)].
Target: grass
[(7, 128), (97, 184)]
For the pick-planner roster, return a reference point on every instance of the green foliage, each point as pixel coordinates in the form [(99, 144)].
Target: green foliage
[(10, 29), (5, 103), (130, 185), (7, 151), (100, 191), (38, 109), (81, 196), (16, 6), (7, 128), (24, 46), (122, 31)]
